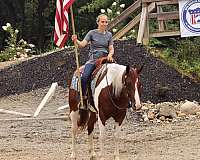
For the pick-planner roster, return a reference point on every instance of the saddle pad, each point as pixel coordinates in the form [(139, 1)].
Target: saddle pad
[(75, 82)]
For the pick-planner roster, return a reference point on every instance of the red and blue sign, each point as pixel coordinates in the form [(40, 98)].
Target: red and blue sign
[(190, 16)]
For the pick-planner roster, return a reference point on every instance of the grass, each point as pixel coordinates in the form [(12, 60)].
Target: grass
[(190, 66)]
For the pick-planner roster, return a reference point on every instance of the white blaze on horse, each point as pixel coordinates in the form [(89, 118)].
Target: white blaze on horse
[(115, 87)]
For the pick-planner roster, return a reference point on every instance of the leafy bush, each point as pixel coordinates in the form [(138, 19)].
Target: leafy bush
[(188, 48), (15, 49)]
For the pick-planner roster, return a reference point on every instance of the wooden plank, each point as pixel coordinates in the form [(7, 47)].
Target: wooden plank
[(132, 23), (165, 15), (142, 23), (146, 30), (31, 118), (167, 2), (47, 97), (165, 34), (63, 107), (160, 22), (128, 27), (14, 112), (124, 14)]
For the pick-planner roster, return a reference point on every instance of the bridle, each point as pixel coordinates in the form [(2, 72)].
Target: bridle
[(111, 99)]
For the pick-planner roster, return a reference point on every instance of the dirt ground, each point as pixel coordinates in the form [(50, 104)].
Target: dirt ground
[(40, 139)]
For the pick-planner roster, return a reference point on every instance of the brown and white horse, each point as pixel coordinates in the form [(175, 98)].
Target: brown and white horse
[(116, 86)]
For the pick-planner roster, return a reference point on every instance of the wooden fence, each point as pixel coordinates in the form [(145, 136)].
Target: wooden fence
[(150, 9)]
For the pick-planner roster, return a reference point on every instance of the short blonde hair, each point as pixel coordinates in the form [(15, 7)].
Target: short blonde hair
[(99, 16)]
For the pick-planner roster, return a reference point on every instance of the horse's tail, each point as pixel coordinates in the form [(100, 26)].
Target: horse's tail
[(84, 116)]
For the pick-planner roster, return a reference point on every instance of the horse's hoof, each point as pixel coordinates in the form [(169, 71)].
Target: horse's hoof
[(101, 158), (73, 157), (93, 158), (116, 158)]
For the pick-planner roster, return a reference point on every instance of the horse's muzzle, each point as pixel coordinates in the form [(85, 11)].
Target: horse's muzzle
[(138, 106)]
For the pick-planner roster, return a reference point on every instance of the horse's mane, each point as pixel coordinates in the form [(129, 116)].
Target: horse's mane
[(115, 73)]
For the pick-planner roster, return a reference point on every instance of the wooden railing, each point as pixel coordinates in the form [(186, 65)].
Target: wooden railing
[(162, 17), (132, 23), (131, 9), (143, 18), (125, 14)]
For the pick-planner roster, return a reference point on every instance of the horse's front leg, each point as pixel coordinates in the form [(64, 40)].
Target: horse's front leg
[(74, 119), (91, 147), (116, 140), (101, 138)]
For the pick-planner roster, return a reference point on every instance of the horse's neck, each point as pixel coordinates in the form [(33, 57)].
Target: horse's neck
[(115, 73)]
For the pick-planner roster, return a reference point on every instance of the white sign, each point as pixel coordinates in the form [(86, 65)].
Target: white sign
[(189, 14)]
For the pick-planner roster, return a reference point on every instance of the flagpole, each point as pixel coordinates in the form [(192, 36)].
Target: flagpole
[(77, 59)]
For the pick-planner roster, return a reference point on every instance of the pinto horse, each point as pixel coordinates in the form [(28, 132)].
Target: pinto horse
[(116, 86)]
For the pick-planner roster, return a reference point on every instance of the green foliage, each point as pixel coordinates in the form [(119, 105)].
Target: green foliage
[(163, 42), (191, 67), (183, 55), (155, 42), (35, 18), (188, 48), (15, 49), (113, 11), (167, 53), (95, 5)]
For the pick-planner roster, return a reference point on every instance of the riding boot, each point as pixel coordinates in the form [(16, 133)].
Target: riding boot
[(83, 112), (85, 100)]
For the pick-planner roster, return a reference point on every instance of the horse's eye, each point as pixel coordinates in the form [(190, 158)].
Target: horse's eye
[(128, 82)]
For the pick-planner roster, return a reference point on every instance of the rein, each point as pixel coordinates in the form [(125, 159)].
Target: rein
[(114, 104)]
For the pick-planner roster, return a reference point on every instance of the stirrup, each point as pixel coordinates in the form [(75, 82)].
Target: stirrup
[(84, 97), (84, 107)]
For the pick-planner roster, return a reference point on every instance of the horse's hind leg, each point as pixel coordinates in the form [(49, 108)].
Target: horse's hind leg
[(116, 140), (74, 118)]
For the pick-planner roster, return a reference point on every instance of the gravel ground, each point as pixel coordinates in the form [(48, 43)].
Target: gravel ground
[(40, 139)]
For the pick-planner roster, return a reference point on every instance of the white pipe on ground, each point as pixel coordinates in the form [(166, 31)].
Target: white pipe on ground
[(47, 97)]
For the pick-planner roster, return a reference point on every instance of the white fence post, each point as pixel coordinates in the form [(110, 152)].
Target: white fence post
[(47, 97)]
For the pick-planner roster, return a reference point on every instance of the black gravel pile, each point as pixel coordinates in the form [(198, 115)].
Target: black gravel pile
[(160, 82)]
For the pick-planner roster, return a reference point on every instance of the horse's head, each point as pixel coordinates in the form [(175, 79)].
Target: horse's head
[(133, 85)]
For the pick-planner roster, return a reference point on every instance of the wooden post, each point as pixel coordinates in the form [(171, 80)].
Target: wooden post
[(146, 30), (160, 22), (142, 23)]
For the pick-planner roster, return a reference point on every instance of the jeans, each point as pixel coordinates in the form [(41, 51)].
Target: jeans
[(89, 68)]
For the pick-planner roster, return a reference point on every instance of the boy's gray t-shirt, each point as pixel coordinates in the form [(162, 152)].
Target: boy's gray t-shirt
[(99, 43)]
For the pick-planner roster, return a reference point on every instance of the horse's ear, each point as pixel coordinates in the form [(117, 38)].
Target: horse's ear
[(138, 70), (127, 69)]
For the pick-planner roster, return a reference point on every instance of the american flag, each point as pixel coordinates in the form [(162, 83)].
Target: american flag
[(61, 31)]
